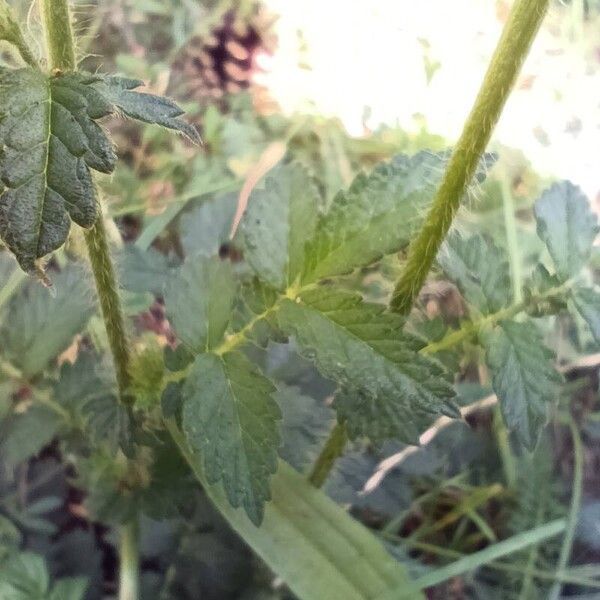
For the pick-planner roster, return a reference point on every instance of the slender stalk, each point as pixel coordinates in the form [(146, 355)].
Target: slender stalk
[(129, 561), (332, 450), (110, 303), (513, 46), (61, 55), (569, 537)]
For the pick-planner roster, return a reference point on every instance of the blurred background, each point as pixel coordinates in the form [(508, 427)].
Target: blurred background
[(341, 86)]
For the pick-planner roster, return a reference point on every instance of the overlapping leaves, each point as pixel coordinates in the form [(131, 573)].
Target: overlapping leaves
[(386, 388), (49, 141)]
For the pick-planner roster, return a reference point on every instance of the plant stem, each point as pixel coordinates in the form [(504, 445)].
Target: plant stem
[(332, 450), (59, 34), (513, 46), (567, 545), (129, 561), (61, 55), (110, 303)]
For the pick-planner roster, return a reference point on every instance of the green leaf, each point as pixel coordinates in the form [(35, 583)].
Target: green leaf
[(587, 303), (280, 218), (478, 268), (144, 107), (87, 389), (387, 389), (69, 588), (377, 215), (144, 270), (567, 226), (206, 227), (315, 546), (199, 301), (523, 377), (230, 418), (27, 433), (24, 577), (48, 139), (39, 326)]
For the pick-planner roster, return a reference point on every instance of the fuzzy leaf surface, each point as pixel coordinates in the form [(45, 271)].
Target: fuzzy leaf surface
[(478, 268), (523, 377), (230, 417), (50, 140), (38, 326), (280, 218), (587, 303), (143, 106), (199, 300), (567, 226), (387, 389), (377, 215)]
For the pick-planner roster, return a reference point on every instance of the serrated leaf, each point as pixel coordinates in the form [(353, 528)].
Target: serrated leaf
[(477, 266), (145, 107), (387, 389), (69, 588), (199, 300), (567, 226), (88, 391), (314, 545), (523, 377), (587, 303), (280, 218), (38, 326), (376, 216), (48, 138), (230, 417)]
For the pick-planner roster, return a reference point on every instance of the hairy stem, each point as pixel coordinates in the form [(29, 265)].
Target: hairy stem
[(61, 55), (110, 303), (332, 450), (513, 46), (129, 561), (56, 18)]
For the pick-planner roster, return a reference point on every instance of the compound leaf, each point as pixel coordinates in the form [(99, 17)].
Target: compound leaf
[(478, 268), (587, 303), (567, 226), (199, 301), (523, 377), (230, 417), (38, 326), (387, 389), (278, 221)]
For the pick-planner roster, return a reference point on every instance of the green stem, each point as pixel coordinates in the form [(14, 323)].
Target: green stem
[(61, 55), (332, 450), (110, 303), (129, 561), (513, 46), (59, 34), (567, 544)]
